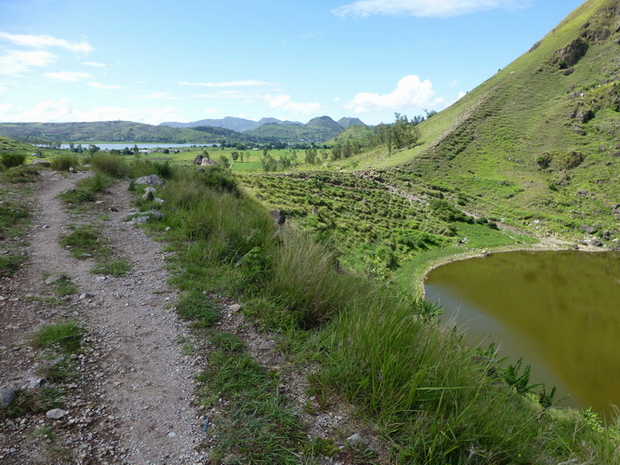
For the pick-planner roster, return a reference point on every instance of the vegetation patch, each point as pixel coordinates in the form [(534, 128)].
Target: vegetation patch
[(65, 337), (85, 242), (115, 267)]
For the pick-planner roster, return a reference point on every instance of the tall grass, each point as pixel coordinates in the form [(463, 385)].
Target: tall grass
[(433, 399), (10, 160), (112, 165), (64, 161)]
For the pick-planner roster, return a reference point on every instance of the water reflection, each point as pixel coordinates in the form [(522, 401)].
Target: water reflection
[(560, 311)]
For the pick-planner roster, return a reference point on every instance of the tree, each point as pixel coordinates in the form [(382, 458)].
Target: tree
[(336, 151), (347, 149), (234, 155), (224, 161)]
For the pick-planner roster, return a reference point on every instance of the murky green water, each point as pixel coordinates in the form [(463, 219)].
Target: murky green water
[(559, 311)]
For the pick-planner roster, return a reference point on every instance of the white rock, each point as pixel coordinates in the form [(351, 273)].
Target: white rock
[(56, 414)]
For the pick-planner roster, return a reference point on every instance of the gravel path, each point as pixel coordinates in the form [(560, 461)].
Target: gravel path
[(135, 403)]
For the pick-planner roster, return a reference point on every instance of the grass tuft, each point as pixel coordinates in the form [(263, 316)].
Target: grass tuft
[(65, 336)]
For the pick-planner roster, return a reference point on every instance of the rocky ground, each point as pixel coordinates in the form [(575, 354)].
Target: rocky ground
[(132, 401)]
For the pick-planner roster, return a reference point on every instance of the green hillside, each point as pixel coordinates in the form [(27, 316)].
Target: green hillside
[(539, 140), (548, 126), (533, 150)]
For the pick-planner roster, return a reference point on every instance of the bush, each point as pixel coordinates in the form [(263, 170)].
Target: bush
[(10, 160)]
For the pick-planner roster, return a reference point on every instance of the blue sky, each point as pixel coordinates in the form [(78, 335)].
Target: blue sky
[(158, 60)]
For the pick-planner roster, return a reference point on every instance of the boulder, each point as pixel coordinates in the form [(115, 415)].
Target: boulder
[(7, 396), (198, 159), (278, 216), (587, 229), (207, 162), (150, 180)]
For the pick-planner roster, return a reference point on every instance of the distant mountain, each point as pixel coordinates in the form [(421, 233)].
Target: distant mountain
[(225, 130), (346, 122), (324, 122), (229, 122), (109, 131)]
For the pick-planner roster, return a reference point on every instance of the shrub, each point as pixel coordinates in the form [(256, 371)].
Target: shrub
[(10, 160)]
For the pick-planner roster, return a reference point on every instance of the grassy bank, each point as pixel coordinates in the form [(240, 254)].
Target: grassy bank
[(373, 347)]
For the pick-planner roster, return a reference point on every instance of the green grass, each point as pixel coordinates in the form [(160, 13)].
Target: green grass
[(65, 287), (65, 161), (85, 242), (19, 175), (374, 347), (65, 337), (33, 402), (114, 267), (110, 165)]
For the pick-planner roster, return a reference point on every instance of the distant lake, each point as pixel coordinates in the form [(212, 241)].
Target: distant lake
[(559, 311), (129, 145)]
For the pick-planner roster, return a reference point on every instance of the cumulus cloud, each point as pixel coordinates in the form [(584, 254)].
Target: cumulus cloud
[(69, 76), (283, 102), (423, 8), (94, 63), (409, 92), (241, 83), (63, 111), (16, 62), (43, 41)]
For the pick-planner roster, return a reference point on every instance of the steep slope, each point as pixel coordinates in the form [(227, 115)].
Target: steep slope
[(539, 140)]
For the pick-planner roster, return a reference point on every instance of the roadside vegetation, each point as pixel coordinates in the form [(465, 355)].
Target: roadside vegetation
[(369, 343)]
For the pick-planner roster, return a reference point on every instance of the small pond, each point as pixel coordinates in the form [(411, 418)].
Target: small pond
[(559, 311)]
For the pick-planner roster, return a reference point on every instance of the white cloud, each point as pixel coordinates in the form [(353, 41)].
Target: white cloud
[(62, 111), (99, 85), (410, 92), (283, 102), (423, 8), (246, 83), (43, 41), (461, 95), (94, 63), (16, 62), (69, 76)]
